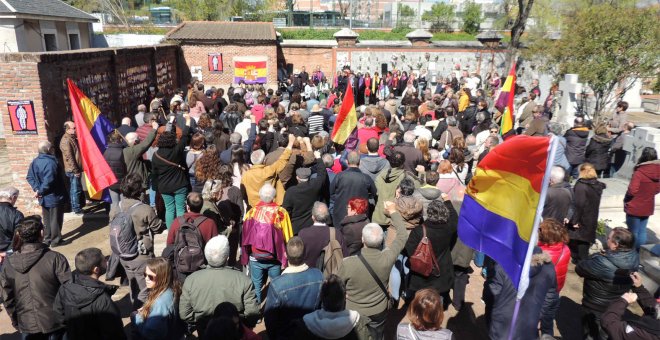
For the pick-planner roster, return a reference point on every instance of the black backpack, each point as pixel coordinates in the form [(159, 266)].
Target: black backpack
[(123, 240), (189, 246)]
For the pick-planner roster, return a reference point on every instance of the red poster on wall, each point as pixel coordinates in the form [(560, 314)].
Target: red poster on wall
[(21, 115), (215, 62)]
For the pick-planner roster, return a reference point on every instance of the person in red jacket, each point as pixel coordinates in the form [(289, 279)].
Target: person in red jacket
[(639, 202), (553, 238)]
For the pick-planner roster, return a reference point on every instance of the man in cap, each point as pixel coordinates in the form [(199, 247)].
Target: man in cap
[(299, 199)]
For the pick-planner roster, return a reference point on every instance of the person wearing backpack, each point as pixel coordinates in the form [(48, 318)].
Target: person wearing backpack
[(293, 294), (439, 232), (318, 243), (188, 235), (132, 228)]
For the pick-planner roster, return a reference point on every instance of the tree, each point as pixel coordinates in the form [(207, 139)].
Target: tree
[(405, 15), (441, 15), (607, 47), (524, 9), (471, 17)]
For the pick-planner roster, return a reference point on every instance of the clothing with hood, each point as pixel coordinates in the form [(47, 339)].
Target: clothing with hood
[(406, 331), (500, 298), (9, 219), (30, 279), (597, 152), (372, 165), (426, 194), (576, 144), (351, 228), (558, 202), (343, 325), (621, 324), (413, 157), (644, 186), (253, 179), (410, 209), (135, 163), (386, 183), (85, 306), (442, 237), (390, 105), (586, 195), (114, 156)]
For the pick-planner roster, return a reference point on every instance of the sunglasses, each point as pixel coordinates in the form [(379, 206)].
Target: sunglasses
[(150, 277)]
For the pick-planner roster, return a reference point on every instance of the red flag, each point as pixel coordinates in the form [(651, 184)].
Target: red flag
[(346, 119)]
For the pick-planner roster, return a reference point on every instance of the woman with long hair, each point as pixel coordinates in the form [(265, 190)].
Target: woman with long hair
[(238, 166), (425, 315), (196, 105), (197, 145), (206, 168), (586, 195), (553, 239), (423, 146), (639, 202), (597, 152), (159, 316), (457, 160)]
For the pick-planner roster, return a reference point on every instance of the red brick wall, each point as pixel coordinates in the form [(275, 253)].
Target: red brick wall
[(197, 55), (310, 57)]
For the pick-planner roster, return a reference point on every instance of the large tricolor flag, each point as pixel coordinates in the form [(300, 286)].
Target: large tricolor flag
[(92, 127), (251, 69), (502, 207), (346, 119), (505, 101)]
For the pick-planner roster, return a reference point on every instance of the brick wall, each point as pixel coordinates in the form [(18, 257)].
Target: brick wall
[(117, 80), (197, 55)]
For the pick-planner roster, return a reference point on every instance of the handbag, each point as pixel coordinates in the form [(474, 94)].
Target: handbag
[(391, 303), (423, 260)]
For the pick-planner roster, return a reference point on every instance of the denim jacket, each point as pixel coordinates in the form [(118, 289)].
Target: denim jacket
[(290, 296)]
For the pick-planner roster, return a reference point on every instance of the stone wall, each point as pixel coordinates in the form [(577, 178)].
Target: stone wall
[(197, 56), (117, 80)]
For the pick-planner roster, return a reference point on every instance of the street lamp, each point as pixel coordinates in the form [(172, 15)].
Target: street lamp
[(491, 40)]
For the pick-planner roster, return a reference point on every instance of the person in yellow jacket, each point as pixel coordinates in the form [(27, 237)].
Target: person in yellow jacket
[(464, 99), (260, 174)]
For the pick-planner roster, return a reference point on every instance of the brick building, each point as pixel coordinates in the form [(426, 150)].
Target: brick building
[(223, 53)]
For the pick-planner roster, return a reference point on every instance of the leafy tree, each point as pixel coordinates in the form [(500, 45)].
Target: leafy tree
[(472, 17), (441, 15), (606, 46), (406, 11)]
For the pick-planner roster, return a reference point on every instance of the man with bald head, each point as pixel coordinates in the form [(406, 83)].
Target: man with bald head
[(72, 165), (348, 184)]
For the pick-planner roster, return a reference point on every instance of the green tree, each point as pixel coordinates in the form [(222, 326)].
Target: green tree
[(606, 46), (472, 17), (405, 15), (441, 15)]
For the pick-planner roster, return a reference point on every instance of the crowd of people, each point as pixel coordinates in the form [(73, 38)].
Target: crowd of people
[(266, 219)]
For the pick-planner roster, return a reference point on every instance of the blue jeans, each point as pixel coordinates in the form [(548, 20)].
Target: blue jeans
[(152, 193), (397, 275), (74, 191), (175, 205), (548, 312), (637, 226), (258, 269)]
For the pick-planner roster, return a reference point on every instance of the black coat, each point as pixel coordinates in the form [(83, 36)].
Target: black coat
[(442, 238), (598, 153), (9, 218), (299, 199), (576, 144), (468, 119), (586, 195), (85, 306), (558, 202), (30, 279), (348, 184), (351, 227), (170, 178), (115, 158), (606, 277)]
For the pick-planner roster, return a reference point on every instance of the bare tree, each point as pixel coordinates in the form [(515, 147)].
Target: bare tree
[(117, 10), (524, 8)]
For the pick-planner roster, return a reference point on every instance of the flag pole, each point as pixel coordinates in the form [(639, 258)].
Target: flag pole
[(524, 276)]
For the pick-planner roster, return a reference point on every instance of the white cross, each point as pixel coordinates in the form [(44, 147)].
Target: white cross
[(569, 88)]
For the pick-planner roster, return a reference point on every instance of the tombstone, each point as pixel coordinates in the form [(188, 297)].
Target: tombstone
[(633, 144), (568, 103)]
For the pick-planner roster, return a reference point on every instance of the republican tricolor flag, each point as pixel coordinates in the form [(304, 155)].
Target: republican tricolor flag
[(92, 127), (346, 119), (505, 101)]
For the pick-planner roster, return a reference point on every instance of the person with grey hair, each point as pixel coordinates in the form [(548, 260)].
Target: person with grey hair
[(10, 217), (299, 199), (253, 179), (559, 199), (217, 283), (133, 154), (317, 236), (367, 275), (349, 184), (44, 177), (266, 229), (125, 127), (490, 144), (293, 294), (413, 155), (139, 116), (72, 165)]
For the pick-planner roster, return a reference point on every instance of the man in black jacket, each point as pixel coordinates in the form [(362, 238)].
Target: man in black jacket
[(349, 184), (30, 279), (299, 199), (576, 145), (84, 304), (10, 217)]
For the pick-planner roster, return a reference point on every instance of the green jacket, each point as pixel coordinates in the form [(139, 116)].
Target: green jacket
[(207, 288), (362, 292), (386, 183), (133, 158)]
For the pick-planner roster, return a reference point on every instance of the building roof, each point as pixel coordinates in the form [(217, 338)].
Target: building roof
[(46, 8), (224, 31)]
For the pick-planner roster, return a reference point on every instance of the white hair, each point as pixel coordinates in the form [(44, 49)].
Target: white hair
[(557, 174), (44, 147), (131, 137), (372, 235), (126, 121), (216, 251), (409, 137), (267, 193), (257, 157), (7, 194)]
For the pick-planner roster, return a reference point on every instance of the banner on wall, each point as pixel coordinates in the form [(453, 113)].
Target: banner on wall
[(21, 115), (215, 63), (251, 69)]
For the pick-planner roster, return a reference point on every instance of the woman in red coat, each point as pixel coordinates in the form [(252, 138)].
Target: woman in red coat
[(553, 238), (639, 202)]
